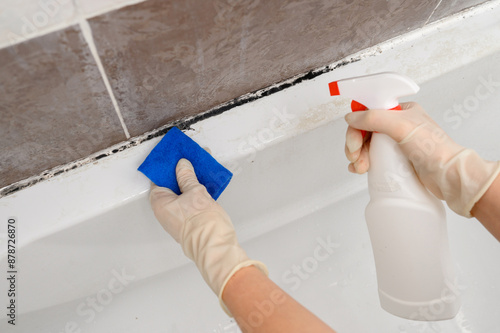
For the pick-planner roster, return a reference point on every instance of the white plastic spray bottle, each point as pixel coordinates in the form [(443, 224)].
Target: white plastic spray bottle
[(406, 223)]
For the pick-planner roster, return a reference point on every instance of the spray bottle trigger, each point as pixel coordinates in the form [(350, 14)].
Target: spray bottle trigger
[(356, 106)]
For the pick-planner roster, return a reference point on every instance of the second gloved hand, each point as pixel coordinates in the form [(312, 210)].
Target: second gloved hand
[(203, 229), (451, 172)]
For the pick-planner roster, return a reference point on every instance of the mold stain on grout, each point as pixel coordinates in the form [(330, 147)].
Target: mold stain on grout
[(182, 124)]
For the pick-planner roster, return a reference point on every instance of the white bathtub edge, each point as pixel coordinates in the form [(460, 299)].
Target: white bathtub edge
[(71, 198)]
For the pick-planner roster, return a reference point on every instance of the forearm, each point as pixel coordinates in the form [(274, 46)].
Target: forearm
[(487, 209), (259, 305)]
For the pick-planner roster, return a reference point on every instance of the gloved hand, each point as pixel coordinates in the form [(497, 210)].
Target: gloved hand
[(202, 228), (451, 172)]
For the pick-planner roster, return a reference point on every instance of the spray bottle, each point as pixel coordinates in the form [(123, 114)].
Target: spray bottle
[(406, 223)]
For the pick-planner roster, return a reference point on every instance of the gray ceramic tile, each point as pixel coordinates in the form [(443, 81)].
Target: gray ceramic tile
[(450, 7), (54, 106), (171, 59)]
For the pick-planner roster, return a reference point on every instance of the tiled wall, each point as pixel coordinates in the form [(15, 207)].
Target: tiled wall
[(163, 60)]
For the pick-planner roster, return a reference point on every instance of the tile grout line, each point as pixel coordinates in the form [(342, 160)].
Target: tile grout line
[(432, 13), (15, 38), (185, 123), (89, 38)]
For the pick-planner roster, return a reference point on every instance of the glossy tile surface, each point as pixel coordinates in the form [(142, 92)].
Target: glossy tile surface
[(55, 108), (165, 60), (171, 59)]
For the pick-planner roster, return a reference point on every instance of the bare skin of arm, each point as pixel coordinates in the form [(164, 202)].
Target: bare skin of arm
[(487, 209), (260, 306)]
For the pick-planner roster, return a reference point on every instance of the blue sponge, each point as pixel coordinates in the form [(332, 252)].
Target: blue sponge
[(160, 164)]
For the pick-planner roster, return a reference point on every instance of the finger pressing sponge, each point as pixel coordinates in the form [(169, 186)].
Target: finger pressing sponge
[(159, 165)]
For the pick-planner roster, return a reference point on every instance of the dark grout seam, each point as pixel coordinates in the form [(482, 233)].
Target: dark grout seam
[(183, 124)]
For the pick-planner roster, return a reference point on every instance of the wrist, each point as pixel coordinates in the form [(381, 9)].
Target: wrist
[(489, 194), (465, 179), (252, 266)]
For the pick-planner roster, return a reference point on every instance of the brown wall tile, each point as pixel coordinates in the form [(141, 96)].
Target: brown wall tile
[(55, 108), (169, 59)]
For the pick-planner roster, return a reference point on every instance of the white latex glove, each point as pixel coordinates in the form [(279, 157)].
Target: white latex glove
[(451, 172), (203, 229)]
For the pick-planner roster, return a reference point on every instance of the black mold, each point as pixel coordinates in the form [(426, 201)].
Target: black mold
[(101, 156), (182, 124)]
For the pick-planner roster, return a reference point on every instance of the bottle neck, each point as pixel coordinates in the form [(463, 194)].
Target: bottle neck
[(391, 173)]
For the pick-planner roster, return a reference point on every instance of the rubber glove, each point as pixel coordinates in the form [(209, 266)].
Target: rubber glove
[(451, 172), (202, 228)]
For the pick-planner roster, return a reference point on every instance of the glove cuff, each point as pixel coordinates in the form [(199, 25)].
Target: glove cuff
[(482, 190), (210, 241), (246, 263), (465, 178)]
